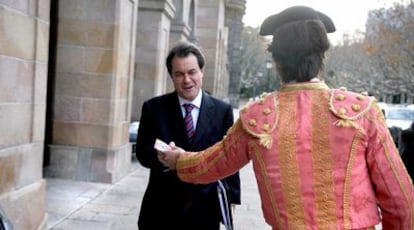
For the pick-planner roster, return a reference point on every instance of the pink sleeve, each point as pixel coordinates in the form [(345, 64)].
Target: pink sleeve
[(392, 184), (220, 160)]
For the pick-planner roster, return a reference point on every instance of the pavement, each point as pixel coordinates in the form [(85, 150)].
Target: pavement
[(84, 205)]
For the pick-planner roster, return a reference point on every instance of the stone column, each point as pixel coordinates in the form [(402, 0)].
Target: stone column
[(94, 76), (234, 14), (212, 38), (153, 32), (24, 37), (180, 28)]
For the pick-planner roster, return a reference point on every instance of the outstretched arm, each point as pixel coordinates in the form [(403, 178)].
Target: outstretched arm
[(221, 160)]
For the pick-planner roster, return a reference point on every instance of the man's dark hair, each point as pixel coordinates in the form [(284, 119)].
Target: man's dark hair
[(183, 49), (298, 48)]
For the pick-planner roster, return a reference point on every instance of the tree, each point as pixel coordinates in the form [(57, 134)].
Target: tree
[(256, 78), (389, 42), (381, 62)]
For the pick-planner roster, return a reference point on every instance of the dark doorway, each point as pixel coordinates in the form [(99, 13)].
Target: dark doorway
[(50, 95)]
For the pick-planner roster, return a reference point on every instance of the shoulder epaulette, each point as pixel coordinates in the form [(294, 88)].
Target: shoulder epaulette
[(259, 118), (349, 106)]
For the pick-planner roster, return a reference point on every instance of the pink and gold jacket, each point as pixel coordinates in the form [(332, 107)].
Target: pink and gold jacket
[(323, 159)]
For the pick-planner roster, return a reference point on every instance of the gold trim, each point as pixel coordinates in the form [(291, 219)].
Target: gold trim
[(303, 86), (400, 182), (356, 107), (252, 122), (340, 97), (265, 127), (347, 184), (342, 116), (322, 163), (266, 181), (264, 139), (346, 123), (289, 167), (360, 97)]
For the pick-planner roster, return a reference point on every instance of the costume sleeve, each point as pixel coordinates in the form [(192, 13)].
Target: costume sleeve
[(222, 159), (393, 187), (145, 152)]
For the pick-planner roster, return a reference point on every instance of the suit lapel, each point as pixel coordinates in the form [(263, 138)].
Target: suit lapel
[(204, 122)]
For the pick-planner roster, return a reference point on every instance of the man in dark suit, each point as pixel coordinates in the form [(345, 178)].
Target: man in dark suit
[(169, 203)]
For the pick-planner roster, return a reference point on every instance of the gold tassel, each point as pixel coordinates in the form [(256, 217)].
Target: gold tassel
[(346, 123), (266, 141)]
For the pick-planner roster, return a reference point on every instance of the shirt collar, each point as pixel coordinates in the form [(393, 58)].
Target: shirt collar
[(196, 102)]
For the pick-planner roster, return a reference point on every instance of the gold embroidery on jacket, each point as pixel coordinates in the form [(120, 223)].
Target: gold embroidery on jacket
[(344, 119), (379, 115), (356, 107), (265, 137), (303, 86), (289, 168), (322, 163), (347, 184), (266, 181)]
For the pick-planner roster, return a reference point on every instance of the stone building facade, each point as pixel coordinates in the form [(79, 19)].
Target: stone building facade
[(234, 11), (74, 73), (214, 25), (24, 35)]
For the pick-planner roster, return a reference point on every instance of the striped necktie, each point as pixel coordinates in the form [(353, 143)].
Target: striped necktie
[(188, 121)]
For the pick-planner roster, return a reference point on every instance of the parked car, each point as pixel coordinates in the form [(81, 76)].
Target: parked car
[(398, 116), (133, 133)]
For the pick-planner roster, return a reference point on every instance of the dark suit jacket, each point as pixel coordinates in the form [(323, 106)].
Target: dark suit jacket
[(407, 150), (169, 203)]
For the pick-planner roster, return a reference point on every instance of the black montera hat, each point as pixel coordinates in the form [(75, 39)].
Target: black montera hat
[(295, 13)]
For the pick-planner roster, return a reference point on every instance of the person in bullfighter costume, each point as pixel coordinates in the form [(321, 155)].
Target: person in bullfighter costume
[(323, 158)]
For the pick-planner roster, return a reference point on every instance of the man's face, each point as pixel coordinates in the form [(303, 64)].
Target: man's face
[(187, 76)]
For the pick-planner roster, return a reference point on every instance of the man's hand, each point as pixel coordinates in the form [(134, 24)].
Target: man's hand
[(170, 156)]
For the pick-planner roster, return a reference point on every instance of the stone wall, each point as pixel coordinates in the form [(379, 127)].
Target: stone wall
[(94, 77), (108, 52), (24, 29), (210, 22), (153, 33)]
